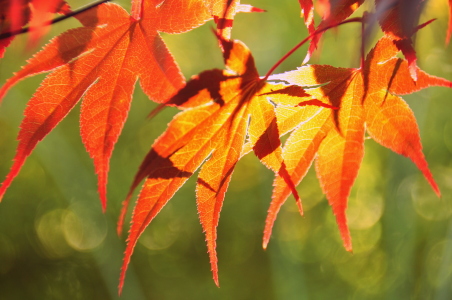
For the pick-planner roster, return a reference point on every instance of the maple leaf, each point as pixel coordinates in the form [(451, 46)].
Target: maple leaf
[(101, 62), (368, 101), (221, 109), (307, 12), (398, 19)]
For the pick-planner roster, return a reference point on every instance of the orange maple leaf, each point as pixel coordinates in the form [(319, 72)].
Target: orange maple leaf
[(368, 101), (222, 109), (101, 62)]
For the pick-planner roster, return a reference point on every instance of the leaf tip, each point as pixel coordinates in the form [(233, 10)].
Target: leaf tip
[(131, 242), (120, 289), (432, 182), (341, 220), (103, 201), (267, 232), (300, 207), (258, 10), (10, 177), (3, 188), (122, 215), (214, 264), (288, 179), (121, 284), (435, 188), (122, 277), (102, 184), (119, 229), (306, 59), (348, 247)]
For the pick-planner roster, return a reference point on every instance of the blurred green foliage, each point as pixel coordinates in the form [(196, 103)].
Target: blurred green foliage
[(55, 243)]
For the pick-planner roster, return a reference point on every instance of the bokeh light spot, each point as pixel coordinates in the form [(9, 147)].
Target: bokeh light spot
[(364, 271), (425, 201), (439, 264), (160, 236), (50, 233), (85, 228), (366, 239), (364, 211)]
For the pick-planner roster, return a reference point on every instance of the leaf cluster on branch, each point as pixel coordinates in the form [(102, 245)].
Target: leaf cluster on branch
[(224, 114)]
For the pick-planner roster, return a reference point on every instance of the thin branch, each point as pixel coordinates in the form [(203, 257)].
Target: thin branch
[(363, 42), (56, 20), (318, 31)]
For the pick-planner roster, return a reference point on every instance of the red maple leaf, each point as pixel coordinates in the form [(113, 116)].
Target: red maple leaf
[(101, 62), (368, 101), (398, 20), (307, 12)]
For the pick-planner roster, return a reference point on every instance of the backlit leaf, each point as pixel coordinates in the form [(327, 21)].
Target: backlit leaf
[(368, 101), (101, 62), (220, 109)]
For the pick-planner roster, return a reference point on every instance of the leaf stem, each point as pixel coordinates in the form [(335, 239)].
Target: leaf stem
[(8, 34), (363, 42), (318, 31)]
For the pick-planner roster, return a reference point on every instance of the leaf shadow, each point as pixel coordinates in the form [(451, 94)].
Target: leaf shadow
[(368, 72), (224, 180), (88, 19), (391, 79), (291, 90), (335, 93), (207, 80), (268, 142), (165, 169)]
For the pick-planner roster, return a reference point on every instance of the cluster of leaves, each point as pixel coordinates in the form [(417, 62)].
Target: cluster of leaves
[(228, 113)]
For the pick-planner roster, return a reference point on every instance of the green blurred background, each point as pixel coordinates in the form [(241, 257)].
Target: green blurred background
[(55, 243)]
